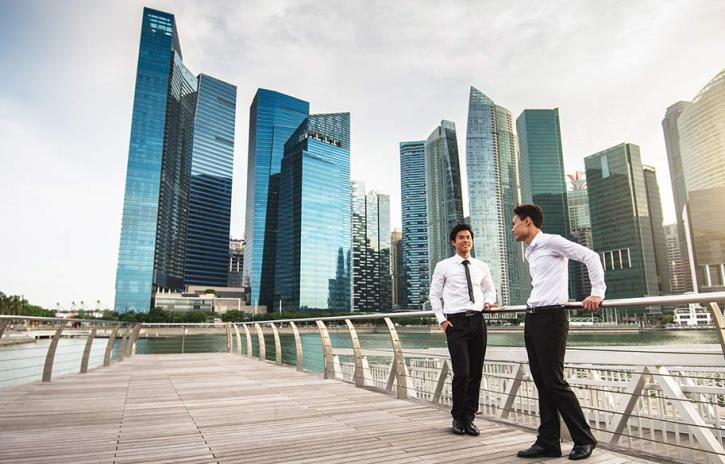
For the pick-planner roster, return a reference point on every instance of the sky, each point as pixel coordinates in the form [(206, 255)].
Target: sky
[(611, 67)]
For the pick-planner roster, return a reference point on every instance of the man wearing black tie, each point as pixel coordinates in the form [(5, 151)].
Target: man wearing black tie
[(460, 290), (547, 327)]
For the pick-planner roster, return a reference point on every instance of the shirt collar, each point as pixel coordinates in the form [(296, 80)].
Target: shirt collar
[(459, 259), (535, 242)]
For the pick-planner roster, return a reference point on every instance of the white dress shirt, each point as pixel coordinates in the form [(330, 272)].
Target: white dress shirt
[(449, 288), (548, 256)]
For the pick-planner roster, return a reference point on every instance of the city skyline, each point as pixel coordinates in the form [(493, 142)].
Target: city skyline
[(76, 160)]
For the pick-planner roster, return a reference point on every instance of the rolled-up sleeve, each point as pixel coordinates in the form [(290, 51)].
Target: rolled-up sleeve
[(584, 255), (435, 295)]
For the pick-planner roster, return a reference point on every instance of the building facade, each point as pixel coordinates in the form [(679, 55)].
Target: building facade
[(654, 204), (236, 263), (396, 266), (678, 266), (414, 216), (314, 239), (581, 233), (493, 189), (273, 117), (444, 200), (621, 226)]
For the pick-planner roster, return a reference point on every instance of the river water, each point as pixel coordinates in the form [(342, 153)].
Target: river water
[(24, 363)]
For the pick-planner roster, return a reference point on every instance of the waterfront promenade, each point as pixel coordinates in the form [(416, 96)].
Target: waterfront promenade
[(224, 408)]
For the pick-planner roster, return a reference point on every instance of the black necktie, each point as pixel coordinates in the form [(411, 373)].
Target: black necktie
[(468, 280)]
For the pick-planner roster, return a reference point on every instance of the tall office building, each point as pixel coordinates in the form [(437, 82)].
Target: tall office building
[(621, 226), (371, 250), (701, 128), (542, 167), (581, 233), (415, 225), (210, 189), (677, 178), (674, 256), (654, 204), (273, 117), (167, 171), (493, 189), (236, 262), (396, 266), (314, 239), (444, 201)]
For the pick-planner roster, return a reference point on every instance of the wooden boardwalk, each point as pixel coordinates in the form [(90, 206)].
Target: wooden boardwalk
[(222, 408)]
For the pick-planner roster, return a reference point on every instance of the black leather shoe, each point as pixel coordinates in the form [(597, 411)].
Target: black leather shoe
[(581, 451), (471, 429), (458, 427), (538, 451)]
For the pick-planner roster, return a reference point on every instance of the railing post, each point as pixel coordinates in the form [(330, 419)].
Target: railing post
[(228, 329), (3, 324), (50, 357), (87, 351), (109, 346), (249, 340), (329, 366), (130, 341), (359, 375), (509, 396), (719, 320), (183, 338), (625, 406), (262, 346), (277, 345), (299, 355), (441, 381), (398, 361), (136, 331), (239, 339), (124, 342)]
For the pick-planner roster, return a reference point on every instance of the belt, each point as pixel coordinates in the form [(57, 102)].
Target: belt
[(469, 313), (539, 309)]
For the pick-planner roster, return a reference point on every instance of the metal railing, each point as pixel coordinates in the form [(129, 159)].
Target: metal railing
[(669, 404)]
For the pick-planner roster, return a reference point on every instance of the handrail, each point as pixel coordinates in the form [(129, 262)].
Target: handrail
[(61, 319)]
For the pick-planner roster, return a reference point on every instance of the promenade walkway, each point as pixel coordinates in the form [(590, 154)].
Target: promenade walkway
[(223, 408)]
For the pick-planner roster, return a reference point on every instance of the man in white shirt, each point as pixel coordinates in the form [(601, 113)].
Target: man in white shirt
[(547, 328), (460, 290)]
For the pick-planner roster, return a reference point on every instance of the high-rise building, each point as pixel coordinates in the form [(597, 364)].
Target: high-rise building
[(371, 250), (677, 178), (210, 189), (493, 190), (444, 201), (654, 205), (314, 228), (542, 167), (621, 226), (273, 117), (236, 262), (167, 171), (674, 256), (701, 128), (415, 225), (396, 266), (581, 233)]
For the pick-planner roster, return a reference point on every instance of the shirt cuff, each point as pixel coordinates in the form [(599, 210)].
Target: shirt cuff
[(441, 318), (598, 292)]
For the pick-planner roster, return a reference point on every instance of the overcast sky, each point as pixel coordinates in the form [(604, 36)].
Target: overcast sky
[(399, 67)]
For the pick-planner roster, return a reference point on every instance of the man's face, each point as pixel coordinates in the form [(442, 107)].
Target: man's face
[(463, 242), (520, 228)]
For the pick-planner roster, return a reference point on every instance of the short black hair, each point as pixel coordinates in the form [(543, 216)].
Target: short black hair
[(459, 228), (531, 211)]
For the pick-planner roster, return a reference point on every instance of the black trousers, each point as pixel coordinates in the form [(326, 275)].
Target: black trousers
[(467, 346), (545, 336)]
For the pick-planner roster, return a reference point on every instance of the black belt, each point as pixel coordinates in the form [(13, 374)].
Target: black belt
[(469, 313), (538, 309)]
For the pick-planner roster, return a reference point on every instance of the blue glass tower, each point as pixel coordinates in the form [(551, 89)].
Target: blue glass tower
[(273, 117), (210, 194), (314, 229), (415, 225)]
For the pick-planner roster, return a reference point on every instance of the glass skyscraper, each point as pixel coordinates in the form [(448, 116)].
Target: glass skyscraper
[(542, 167), (621, 225), (444, 201), (273, 117), (158, 194), (493, 189), (654, 205), (415, 225), (701, 128), (581, 233), (210, 194), (314, 231)]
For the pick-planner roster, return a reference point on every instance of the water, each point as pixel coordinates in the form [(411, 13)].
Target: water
[(21, 364)]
